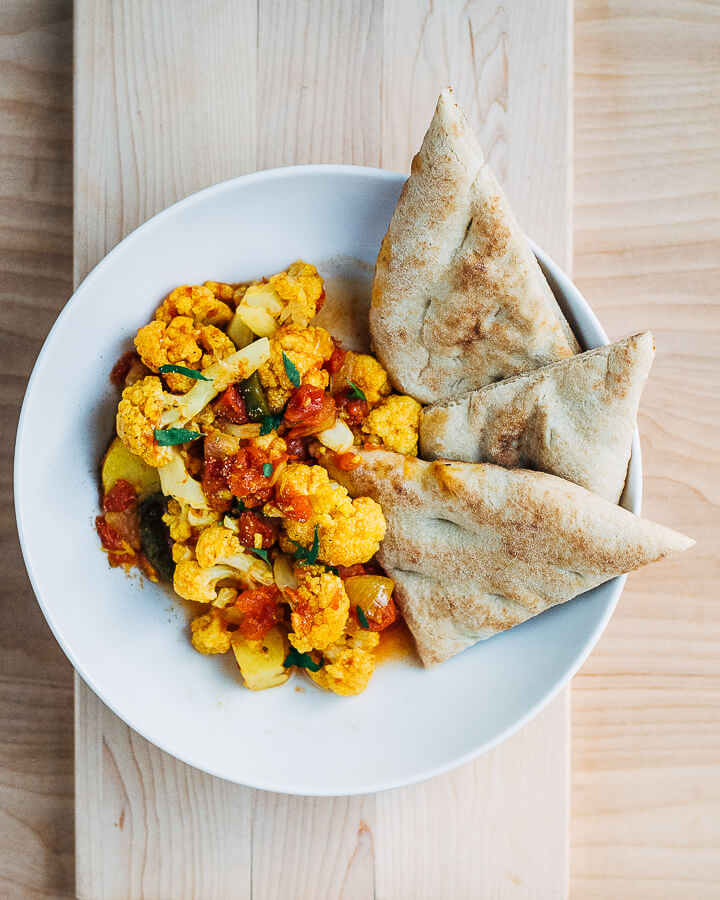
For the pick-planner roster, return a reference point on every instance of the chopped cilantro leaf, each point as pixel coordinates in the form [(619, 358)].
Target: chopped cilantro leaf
[(303, 660), (271, 423), (291, 370), (267, 469), (308, 557), (183, 370), (263, 554), (362, 618), (356, 393), (168, 437)]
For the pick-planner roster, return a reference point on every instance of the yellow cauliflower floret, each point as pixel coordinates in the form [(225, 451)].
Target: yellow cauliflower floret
[(209, 633), (370, 377), (271, 443), (395, 424), (349, 531), (221, 291), (320, 608), (300, 288), (308, 349), (349, 663), (186, 523), (181, 342), (196, 301), (138, 415)]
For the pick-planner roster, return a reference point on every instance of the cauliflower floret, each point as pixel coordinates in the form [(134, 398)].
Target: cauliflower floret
[(139, 413), (395, 424), (198, 302), (181, 342), (370, 377), (308, 349), (209, 633), (221, 290), (186, 523), (272, 444), (349, 531), (301, 288), (320, 609), (218, 545), (349, 663)]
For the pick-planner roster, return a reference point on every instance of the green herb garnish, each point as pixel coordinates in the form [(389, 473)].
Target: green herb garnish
[(303, 660), (168, 437), (356, 393), (182, 370), (309, 557), (263, 554), (291, 370), (271, 423), (362, 618), (267, 469)]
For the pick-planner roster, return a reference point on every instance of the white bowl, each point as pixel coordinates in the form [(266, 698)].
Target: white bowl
[(127, 638)]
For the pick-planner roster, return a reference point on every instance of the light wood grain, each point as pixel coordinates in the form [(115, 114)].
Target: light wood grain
[(326, 62), (645, 706)]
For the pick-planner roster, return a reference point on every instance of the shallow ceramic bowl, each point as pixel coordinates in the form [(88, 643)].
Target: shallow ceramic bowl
[(129, 640)]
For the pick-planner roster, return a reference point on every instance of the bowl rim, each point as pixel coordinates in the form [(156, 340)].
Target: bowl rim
[(571, 294)]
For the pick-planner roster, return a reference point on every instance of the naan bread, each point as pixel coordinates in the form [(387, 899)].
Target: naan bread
[(459, 300), (574, 418), (475, 548)]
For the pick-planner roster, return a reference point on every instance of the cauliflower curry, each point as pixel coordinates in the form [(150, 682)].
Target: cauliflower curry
[(211, 484)]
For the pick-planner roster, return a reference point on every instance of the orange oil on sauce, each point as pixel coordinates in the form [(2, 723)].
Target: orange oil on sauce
[(396, 643)]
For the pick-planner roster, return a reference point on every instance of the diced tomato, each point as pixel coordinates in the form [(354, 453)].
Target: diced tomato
[(368, 568), (122, 495), (109, 538), (309, 410), (380, 617), (336, 361), (245, 476), (230, 406), (297, 449), (215, 484), (355, 410), (260, 611), (320, 301), (294, 506), (346, 462), (250, 524), (122, 367)]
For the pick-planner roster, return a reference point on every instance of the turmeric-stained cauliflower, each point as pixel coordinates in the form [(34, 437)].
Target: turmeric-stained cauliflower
[(394, 423), (300, 288), (186, 523), (181, 342), (349, 531), (220, 557), (139, 413), (349, 663), (308, 349), (199, 302), (320, 608), (209, 633), (370, 377), (221, 290)]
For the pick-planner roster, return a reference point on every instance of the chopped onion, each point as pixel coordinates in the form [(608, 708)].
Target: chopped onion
[(283, 573), (250, 430), (258, 320), (338, 438)]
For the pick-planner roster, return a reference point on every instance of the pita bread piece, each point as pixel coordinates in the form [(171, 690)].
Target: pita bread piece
[(574, 418), (459, 300), (475, 548)]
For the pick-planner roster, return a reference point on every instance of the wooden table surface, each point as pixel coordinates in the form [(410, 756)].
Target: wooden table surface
[(645, 724)]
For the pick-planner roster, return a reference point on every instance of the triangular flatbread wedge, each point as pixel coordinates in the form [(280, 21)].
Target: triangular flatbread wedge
[(574, 418), (459, 300), (475, 548)]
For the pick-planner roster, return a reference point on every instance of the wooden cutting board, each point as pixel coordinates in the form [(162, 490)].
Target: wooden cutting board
[(169, 98)]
